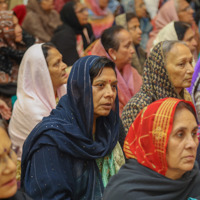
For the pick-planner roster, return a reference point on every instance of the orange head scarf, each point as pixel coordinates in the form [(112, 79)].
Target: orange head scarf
[(148, 136)]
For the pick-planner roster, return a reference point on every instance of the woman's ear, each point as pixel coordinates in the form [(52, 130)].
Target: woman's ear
[(112, 53)]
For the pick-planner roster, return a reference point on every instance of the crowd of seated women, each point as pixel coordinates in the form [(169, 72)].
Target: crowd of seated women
[(99, 99)]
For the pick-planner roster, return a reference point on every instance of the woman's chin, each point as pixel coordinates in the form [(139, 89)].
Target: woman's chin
[(8, 192)]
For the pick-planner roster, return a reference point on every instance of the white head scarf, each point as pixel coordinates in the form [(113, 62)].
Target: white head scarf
[(35, 96), (166, 33)]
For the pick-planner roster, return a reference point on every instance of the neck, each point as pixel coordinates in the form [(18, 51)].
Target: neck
[(55, 91), (120, 68), (179, 90), (174, 175)]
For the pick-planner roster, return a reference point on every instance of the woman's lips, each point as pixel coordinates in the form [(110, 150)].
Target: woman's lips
[(65, 75), (11, 182), (107, 106), (189, 158)]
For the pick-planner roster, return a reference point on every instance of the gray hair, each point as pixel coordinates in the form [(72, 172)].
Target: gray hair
[(167, 45)]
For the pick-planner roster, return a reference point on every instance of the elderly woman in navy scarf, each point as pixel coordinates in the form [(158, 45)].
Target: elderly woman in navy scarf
[(72, 153)]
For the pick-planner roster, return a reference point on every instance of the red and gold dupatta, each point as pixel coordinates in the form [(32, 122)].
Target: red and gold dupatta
[(148, 136)]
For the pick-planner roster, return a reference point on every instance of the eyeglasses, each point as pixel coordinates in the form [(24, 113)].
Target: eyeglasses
[(134, 28), (82, 10)]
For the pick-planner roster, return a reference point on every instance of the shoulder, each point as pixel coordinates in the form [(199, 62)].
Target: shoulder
[(133, 107), (64, 30), (31, 14), (123, 184)]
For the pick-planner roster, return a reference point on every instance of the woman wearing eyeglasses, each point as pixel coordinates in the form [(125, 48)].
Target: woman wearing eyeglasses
[(75, 34), (172, 10)]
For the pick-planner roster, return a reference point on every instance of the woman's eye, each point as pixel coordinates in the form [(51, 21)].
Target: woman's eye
[(194, 134), (182, 64), (114, 86), (180, 134), (57, 64), (100, 85)]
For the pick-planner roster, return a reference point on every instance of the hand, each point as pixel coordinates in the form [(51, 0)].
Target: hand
[(5, 111)]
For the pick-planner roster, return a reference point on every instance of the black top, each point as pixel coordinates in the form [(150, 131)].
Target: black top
[(19, 196), (65, 36)]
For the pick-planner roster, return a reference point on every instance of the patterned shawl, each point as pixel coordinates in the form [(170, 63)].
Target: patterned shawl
[(7, 35), (148, 136), (68, 129), (129, 81), (156, 85), (10, 57)]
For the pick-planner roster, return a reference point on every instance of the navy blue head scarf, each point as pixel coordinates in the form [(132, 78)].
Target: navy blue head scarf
[(69, 126)]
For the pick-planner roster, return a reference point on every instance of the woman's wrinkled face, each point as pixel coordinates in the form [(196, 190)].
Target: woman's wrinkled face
[(179, 66), (57, 68), (185, 12), (182, 144), (3, 5), (47, 5), (8, 167), (104, 90), (140, 8), (134, 29), (189, 39), (82, 13), (124, 54), (17, 30)]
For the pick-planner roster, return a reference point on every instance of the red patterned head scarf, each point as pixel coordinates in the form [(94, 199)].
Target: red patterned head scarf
[(7, 34), (148, 136)]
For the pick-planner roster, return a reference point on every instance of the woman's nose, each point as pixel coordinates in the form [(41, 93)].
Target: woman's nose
[(64, 66), (132, 50), (191, 142), (109, 91), (11, 164)]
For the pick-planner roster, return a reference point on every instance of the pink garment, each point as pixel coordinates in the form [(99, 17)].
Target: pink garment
[(94, 6), (100, 19), (35, 96), (129, 81), (166, 14)]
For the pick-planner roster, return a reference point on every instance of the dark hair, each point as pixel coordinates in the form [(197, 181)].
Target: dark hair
[(182, 105), (181, 28), (130, 15), (108, 37), (45, 48), (99, 65)]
